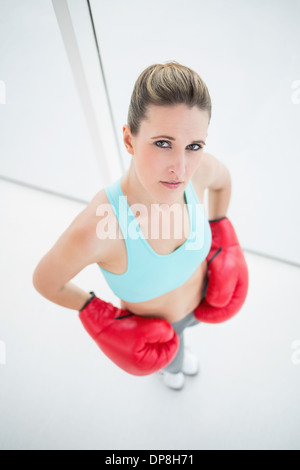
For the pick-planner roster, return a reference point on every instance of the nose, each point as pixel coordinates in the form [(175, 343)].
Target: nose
[(177, 165)]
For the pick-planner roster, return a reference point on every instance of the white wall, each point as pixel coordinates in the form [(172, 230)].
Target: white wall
[(44, 137), (248, 54)]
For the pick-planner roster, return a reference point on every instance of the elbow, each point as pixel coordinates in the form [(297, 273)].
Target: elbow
[(45, 285), (36, 281), (39, 281)]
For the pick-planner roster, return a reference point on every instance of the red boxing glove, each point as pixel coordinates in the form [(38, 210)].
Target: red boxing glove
[(136, 344), (227, 275)]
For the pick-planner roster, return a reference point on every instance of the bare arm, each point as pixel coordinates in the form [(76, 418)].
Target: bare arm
[(76, 248), (218, 202), (213, 175)]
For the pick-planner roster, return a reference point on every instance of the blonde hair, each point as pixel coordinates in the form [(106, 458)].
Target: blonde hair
[(166, 85)]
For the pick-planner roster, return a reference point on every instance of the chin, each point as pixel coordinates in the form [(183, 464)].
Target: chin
[(173, 196)]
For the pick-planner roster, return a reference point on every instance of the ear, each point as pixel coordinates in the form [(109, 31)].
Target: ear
[(128, 139)]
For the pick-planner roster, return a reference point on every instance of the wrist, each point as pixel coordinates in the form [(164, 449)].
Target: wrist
[(217, 220), (88, 301)]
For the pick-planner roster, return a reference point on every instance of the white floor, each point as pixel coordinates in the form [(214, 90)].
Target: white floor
[(58, 390)]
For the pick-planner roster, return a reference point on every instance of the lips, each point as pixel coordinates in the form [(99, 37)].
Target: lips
[(171, 184)]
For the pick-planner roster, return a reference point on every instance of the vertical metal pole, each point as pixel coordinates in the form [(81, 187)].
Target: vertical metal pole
[(69, 38)]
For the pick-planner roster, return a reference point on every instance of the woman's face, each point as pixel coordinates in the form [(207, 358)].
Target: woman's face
[(168, 148)]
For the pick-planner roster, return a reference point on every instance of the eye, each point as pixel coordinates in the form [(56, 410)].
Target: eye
[(197, 145), (162, 142)]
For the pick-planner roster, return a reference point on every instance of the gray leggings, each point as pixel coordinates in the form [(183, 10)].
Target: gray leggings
[(190, 320)]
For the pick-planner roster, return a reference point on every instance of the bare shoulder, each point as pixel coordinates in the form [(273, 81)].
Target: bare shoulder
[(89, 224), (77, 247), (211, 173)]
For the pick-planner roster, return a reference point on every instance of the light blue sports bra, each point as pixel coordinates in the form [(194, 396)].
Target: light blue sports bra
[(148, 273)]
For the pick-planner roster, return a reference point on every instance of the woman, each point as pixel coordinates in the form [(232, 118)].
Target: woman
[(159, 242)]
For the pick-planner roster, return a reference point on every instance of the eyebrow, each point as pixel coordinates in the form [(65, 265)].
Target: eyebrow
[(172, 138)]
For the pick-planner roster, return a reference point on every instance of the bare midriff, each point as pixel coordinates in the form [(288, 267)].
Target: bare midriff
[(176, 304)]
